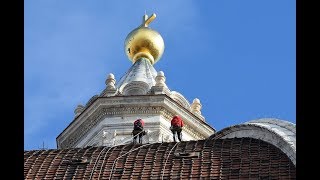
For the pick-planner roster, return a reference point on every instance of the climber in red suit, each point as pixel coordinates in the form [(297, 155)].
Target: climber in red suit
[(176, 127)]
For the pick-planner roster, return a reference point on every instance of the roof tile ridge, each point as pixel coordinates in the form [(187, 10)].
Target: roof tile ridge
[(103, 161), (116, 160), (136, 156), (183, 148), (206, 157), (96, 160), (106, 159), (90, 150), (155, 159), (50, 166), (62, 166), (167, 157), (71, 168), (33, 166), (27, 161), (150, 153)]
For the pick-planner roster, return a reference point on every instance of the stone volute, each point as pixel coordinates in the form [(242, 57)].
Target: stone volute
[(78, 110)]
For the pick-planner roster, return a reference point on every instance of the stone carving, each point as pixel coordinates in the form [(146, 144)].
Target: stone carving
[(81, 130), (109, 137), (79, 109), (160, 79), (192, 132), (111, 89), (160, 87), (91, 100), (119, 106), (165, 137), (136, 88), (180, 99), (110, 82), (74, 137), (141, 71), (187, 127), (97, 117), (196, 108), (152, 136), (191, 118)]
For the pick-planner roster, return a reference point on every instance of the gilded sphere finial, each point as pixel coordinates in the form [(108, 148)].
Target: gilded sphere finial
[(144, 42)]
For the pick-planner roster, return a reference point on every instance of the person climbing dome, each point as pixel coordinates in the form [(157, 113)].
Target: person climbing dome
[(138, 130), (176, 127)]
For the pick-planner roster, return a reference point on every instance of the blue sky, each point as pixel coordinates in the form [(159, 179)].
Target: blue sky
[(237, 57)]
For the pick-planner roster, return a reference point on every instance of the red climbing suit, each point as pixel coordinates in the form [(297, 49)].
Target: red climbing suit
[(177, 121)]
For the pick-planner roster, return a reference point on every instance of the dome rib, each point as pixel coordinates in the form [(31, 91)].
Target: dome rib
[(279, 133)]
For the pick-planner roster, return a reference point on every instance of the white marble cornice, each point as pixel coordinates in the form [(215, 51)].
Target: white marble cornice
[(120, 106)]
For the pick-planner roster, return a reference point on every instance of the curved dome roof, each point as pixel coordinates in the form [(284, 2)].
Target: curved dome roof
[(278, 132), (237, 158)]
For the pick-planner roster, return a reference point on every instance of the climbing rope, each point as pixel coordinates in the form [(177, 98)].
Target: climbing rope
[(102, 164), (167, 160), (130, 138), (106, 154), (94, 166), (122, 156)]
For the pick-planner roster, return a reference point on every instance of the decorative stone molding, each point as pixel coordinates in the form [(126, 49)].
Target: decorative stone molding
[(110, 89), (110, 92), (113, 134), (119, 106), (186, 115), (91, 100), (110, 82), (98, 116), (188, 127), (79, 109), (196, 108), (160, 87), (180, 99), (152, 136), (136, 88), (73, 138), (141, 71), (160, 79)]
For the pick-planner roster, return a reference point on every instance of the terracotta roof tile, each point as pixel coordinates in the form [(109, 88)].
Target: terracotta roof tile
[(237, 158)]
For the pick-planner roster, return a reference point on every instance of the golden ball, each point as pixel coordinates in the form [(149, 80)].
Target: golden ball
[(144, 42)]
